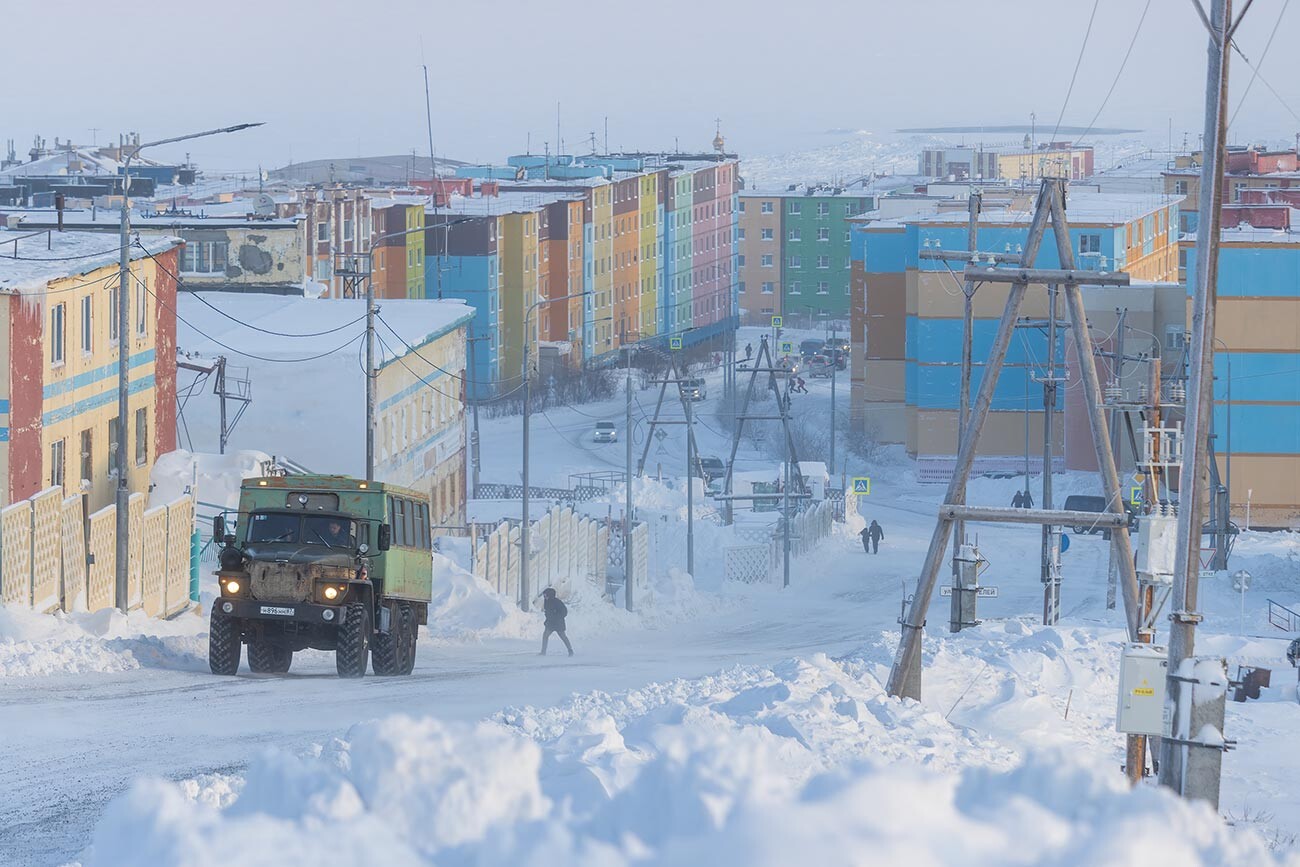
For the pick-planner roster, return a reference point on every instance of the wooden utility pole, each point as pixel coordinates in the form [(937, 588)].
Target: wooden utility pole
[(905, 677), (1188, 768)]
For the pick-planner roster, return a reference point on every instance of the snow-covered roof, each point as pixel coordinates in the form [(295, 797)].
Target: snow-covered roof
[(509, 202), (222, 216), (1084, 207), (206, 329), (30, 260)]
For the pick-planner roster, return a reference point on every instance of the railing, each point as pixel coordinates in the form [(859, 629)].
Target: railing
[(1282, 617)]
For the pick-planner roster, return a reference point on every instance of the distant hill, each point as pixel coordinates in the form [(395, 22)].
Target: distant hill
[(398, 168)]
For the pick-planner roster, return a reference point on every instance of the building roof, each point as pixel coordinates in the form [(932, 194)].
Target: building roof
[(856, 191), (227, 322), (100, 219), (45, 256), (1083, 206), (509, 202)]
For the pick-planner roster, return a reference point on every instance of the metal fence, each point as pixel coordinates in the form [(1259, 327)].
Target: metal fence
[(55, 555), (582, 493)]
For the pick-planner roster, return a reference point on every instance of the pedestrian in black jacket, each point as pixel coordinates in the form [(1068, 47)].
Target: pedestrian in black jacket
[(555, 611), (874, 533)]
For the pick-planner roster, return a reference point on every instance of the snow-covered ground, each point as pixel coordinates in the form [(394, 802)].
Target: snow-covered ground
[(736, 725)]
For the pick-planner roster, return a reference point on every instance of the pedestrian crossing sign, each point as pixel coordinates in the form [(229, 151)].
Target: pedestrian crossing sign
[(787, 347), (1135, 495), (674, 343), (776, 321), (862, 486)]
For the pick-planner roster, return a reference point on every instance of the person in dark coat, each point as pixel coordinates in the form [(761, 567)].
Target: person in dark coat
[(1028, 502), (866, 540), (874, 535), (749, 351), (1018, 501), (555, 611)]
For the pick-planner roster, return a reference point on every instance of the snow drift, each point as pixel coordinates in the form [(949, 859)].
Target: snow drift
[(806, 762)]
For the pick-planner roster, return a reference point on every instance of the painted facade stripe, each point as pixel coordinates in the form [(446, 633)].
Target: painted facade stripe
[(90, 377), (104, 398)]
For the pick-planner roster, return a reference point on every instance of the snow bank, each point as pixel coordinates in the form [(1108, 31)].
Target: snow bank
[(34, 644), (217, 476), (805, 762)]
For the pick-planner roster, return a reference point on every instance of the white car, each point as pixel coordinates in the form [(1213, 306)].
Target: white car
[(605, 433)]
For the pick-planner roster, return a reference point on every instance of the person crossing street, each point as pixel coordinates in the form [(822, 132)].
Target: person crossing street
[(555, 612)]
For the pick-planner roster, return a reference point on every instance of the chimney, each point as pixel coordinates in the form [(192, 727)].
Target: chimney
[(58, 206)]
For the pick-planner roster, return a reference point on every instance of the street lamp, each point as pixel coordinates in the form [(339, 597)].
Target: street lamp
[(121, 570), (523, 531)]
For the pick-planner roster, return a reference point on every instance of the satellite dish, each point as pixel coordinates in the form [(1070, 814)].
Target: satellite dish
[(264, 205)]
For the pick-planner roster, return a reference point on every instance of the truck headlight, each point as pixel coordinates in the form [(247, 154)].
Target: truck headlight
[(232, 587), (331, 593)]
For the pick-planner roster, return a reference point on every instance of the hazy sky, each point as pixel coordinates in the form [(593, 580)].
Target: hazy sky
[(333, 79)]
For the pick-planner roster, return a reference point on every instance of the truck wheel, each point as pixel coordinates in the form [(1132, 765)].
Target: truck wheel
[(223, 644), (352, 652), (388, 649), (267, 658), (412, 635)]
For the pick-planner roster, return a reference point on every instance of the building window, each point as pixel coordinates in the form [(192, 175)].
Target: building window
[(766, 260), (741, 287), (87, 455), (740, 234), (796, 262), (823, 234), (823, 261), (794, 235), (323, 231), (768, 235), (796, 208), (823, 209), (141, 436), (1180, 188), (205, 257), (87, 324), (848, 235), (56, 463), (58, 321), (848, 209), (795, 288), (141, 306), (768, 288), (823, 288), (1090, 243), (347, 230), (740, 260), (765, 208), (742, 207), (113, 302), (1175, 337), (113, 442)]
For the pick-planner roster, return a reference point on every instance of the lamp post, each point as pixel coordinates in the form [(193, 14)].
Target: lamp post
[(123, 500), (523, 531)]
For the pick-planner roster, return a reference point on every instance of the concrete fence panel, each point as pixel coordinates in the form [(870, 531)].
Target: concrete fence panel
[(153, 563), (47, 559), (180, 527), (72, 521), (102, 557), (512, 564), (135, 550), (16, 554)]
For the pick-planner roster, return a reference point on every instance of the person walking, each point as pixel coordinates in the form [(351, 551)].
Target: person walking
[(874, 534), (749, 351), (1018, 501), (555, 612), (1028, 501), (866, 540)]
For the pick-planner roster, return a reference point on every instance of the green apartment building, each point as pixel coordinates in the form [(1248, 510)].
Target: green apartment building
[(794, 252)]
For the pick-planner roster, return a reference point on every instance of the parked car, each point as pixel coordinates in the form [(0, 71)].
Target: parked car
[(809, 348), (694, 389), (820, 365), (713, 468), (1085, 503), (605, 432)]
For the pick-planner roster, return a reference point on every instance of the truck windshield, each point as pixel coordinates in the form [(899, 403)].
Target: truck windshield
[(328, 530)]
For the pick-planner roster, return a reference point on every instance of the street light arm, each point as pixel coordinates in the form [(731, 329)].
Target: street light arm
[(188, 136)]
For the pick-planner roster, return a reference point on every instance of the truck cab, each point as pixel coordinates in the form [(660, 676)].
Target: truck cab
[(322, 562)]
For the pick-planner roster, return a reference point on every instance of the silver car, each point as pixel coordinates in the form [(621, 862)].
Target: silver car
[(605, 433)]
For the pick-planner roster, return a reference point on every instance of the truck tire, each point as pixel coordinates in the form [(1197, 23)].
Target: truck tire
[(412, 633), (223, 644), (267, 658), (387, 651), (352, 652)]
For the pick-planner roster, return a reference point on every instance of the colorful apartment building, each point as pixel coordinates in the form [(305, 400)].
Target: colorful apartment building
[(1248, 170), (1256, 358), (462, 261), (795, 252), (397, 248), (61, 346), (338, 224), (1050, 160), (911, 324)]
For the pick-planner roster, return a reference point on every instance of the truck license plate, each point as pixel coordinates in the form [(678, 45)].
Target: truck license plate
[(277, 610)]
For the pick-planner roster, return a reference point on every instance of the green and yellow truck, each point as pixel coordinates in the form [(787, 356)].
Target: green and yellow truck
[(322, 562)]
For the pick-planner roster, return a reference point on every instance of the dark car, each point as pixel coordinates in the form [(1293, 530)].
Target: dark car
[(1086, 503), (809, 348)]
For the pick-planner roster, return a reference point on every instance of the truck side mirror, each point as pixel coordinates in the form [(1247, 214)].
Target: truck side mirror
[(218, 526), (385, 536)]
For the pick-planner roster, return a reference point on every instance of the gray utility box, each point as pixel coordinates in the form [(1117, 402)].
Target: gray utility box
[(1142, 685)]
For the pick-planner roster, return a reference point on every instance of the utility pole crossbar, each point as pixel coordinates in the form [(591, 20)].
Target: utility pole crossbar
[(1047, 517)]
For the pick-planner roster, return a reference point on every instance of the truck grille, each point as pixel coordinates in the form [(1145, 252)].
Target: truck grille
[(280, 582)]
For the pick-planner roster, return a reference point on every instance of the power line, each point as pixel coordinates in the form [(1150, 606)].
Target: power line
[(1077, 64), (1256, 72), (1118, 73)]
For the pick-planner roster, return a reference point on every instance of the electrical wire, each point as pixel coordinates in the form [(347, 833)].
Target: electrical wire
[(1255, 69), (1077, 63), (115, 249), (1119, 72)]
